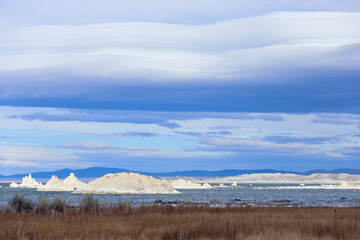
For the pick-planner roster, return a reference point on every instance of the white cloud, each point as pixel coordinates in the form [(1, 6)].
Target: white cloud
[(23, 12), (241, 144), (31, 156), (273, 47), (99, 149)]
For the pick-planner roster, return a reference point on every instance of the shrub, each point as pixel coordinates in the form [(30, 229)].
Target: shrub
[(89, 203), (215, 202), (20, 204), (58, 204), (43, 205)]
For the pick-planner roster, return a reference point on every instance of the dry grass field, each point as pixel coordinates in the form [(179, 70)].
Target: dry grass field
[(182, 222)]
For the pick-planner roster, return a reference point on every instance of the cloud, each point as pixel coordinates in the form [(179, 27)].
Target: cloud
[(101, 149), (58, 138), (247, 144), (219, 133), (18, 144), (164, 119), (32, 156), (228, 56), (101, 116), (171, 125), (88, 146), (306, 140), (190, 134), (128, 134), (24, 13), (17, 163), (5, 137), (337, 94), (337, 119), (199, 134), (140, 134), (53, 60), (234, 127), (100, 146)]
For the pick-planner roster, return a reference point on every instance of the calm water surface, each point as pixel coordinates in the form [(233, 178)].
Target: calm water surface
[(244, 193)]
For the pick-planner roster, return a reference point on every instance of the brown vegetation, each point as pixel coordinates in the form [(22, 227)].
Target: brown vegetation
[(184, 221)]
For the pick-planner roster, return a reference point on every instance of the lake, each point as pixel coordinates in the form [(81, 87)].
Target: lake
[(244, 193)]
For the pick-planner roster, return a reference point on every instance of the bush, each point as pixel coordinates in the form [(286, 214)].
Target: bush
[(89, 203), (215, 202), (58, 204), (43, 205), (20, 204)]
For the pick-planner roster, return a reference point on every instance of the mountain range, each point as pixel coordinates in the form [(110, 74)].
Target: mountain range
[(95, 172)]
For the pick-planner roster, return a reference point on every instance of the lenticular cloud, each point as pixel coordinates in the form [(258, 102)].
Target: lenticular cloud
[(270, 47)]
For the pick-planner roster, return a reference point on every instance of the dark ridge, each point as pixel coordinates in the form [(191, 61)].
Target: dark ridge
[(95, 172)]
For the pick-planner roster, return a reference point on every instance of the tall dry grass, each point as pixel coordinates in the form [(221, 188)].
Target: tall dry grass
[(184, 222)]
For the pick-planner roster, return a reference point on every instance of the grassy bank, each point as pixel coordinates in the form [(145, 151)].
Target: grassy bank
[(184, 221)]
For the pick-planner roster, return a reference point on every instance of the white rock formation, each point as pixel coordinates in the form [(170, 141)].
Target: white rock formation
[(322, 186), (72, 181), (68, 185), (221, 186), (127, 183), (55, 185), (183, 184), (344, 184), (27, 182), (206, 186), (317, 178), (14, 185)]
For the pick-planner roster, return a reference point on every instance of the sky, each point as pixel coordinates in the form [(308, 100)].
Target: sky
[(154, 85)]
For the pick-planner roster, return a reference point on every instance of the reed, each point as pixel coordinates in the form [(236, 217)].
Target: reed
[(183, 221)]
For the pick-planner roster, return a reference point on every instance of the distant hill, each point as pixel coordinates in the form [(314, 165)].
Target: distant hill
[(95, 172), (336, 171), (220, 173)]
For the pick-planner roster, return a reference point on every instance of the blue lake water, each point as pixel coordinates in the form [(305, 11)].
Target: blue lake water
[(244, 193)]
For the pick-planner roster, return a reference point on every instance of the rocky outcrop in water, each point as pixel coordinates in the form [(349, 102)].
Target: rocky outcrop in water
[(27, 182), (127, 183), (183, 184)]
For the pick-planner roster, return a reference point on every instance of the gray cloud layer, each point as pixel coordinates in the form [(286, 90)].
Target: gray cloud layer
[(164, 119)]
